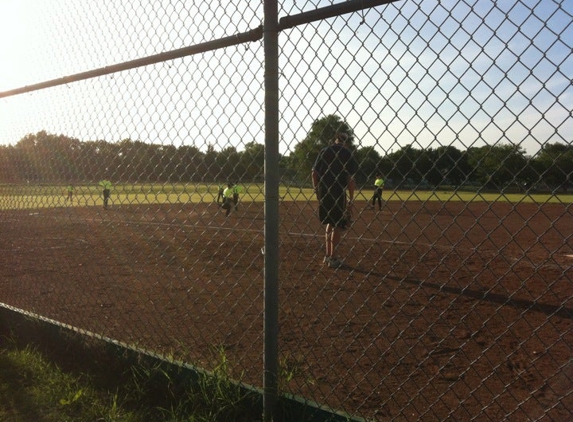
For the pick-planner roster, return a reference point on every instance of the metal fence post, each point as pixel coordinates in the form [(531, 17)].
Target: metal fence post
[(270, 381)]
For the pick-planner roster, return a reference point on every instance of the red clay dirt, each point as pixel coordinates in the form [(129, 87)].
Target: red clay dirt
[(442, 310)]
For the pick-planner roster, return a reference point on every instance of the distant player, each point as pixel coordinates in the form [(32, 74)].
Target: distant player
[(228, 199), (378, 188), (333, 177), (106, 185), (237, 189), (70, 196), (220, 195)]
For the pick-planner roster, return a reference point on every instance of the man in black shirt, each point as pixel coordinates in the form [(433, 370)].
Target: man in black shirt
[(332, 177)]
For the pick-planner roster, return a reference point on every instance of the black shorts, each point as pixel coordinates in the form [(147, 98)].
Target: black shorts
[(227, 203), (331, 210)]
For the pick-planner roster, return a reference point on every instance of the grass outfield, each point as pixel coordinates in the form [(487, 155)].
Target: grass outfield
[(32, 197)]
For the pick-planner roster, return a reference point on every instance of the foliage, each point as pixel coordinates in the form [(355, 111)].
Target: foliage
[(498, 166), (321, 134), (57, 159), (31, 384), (369, 163), (554, 164)]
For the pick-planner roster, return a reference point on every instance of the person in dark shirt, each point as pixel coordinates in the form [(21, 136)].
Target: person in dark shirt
[(333, 179)]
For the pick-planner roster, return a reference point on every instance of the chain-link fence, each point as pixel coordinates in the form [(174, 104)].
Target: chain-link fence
[(156, 189)]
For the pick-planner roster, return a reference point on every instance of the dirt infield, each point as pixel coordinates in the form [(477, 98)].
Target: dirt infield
[(442, 310)]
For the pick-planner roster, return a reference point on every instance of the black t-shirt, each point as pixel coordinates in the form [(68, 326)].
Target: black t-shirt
[(334, 165)]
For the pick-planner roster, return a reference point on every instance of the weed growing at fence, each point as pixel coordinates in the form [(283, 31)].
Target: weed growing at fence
[(73, 387), (32, 385)]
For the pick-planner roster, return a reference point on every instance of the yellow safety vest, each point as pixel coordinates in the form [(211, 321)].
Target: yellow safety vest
[(228, 193)]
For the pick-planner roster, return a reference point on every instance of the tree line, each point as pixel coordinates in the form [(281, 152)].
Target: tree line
[(58, 159)]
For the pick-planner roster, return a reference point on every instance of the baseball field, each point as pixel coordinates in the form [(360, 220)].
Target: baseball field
[(448, 306)]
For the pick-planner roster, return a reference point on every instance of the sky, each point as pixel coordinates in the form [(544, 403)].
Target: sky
[(423, 73)]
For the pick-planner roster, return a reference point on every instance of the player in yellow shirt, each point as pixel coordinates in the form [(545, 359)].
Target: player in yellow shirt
[(378, 187), (228, 199), (70, 196), (237, 189)]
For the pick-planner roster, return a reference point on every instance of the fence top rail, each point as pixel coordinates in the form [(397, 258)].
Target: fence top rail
[(329, 12), (252, 35), (249, 36)]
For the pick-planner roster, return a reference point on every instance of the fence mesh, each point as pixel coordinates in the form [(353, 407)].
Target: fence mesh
[(454, 296)]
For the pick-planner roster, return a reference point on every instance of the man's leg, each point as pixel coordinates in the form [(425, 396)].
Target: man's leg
[(328, 240), (332, 239), (335, 240)]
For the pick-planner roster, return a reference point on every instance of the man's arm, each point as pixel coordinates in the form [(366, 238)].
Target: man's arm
[(352, 169), (350, 188), (315, 179)]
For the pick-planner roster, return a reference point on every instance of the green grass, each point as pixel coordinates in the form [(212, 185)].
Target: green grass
[(463, 196), (43, 384), (37, 197), (32, 388)]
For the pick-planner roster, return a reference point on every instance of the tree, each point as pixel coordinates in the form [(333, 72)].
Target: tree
[(369, 164), (321, 134), (554, 165), (192, 164), (228, 161), (498, 166), (48, 158), (213, 171), (10, 164), (44, 157), (404, 165), (450, 166), (253, 161)]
